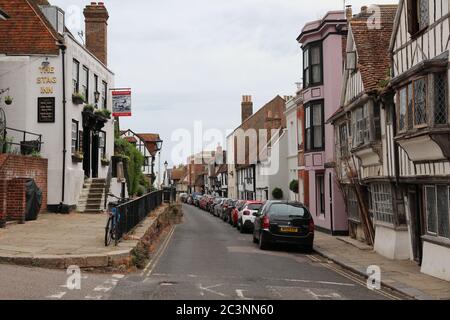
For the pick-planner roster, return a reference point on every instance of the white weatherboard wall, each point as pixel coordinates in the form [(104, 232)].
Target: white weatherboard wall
[(436, 261), (392, 244), (20, 74)]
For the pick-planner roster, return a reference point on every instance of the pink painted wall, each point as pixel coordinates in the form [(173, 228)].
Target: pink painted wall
[(315, 162)]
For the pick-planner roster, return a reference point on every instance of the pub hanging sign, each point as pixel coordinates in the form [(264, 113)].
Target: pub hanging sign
[(46, 110), (121, 99)]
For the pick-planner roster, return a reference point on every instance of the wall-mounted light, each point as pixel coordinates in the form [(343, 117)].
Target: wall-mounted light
[(45, 63)]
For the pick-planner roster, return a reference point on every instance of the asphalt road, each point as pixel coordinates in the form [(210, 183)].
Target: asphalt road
[(203, 258)]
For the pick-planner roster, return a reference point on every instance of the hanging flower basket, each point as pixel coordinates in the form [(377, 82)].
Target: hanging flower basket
[(77, 157), (77, 98), (105, 162), (8, 100)]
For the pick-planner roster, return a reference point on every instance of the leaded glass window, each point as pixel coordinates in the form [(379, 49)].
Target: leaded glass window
[(402, 110), (420, 102), (440, 96), (437, 205), (382, 207), (422, 13)]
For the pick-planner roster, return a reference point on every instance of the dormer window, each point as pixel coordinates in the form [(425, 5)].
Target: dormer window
[(418, 16)]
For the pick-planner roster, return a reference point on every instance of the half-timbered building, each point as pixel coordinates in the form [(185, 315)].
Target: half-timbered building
[(364, 135), (420, 57)]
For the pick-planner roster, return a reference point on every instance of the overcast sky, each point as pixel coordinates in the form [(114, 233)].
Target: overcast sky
[(192, 60)]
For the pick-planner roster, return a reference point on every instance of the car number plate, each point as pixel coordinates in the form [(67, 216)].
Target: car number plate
[(289, 229)]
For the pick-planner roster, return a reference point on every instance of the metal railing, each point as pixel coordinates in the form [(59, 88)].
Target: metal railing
[(27, 142), (135, 211)]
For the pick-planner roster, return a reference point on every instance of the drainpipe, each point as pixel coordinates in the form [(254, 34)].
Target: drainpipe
[(63, 54)]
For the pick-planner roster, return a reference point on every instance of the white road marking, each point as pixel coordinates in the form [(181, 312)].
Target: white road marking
[(209, 289), (153, 262), (316, 296), (59, 295), (118, 276), (240, 294), (102, 288)]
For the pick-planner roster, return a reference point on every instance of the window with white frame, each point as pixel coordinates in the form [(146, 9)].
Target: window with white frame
[(382, 207), (74, 137), (102, 143), (343, 140), (361, 132), (437, 207), (75, 76), (314, 127), (352, 205), (85, 84)]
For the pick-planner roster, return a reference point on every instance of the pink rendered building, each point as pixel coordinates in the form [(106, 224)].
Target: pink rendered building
[(323, 44)]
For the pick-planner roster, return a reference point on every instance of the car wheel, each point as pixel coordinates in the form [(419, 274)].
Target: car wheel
[(262, 244), (238, 226), (254, 239), (242, 229)]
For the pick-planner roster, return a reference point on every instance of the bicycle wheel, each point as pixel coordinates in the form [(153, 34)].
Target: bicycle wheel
[(109, 231)]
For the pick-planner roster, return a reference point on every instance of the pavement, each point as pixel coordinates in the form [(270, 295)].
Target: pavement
[(206, 259), (402, 276), (59, 241)]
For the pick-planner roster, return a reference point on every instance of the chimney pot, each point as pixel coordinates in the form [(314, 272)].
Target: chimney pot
[(349, 12), (246, 107)]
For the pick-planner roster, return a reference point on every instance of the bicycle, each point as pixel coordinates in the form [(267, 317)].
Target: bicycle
[(113, 223)]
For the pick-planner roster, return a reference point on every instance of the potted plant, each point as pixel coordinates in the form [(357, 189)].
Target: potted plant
[(89, 108), (277, 194), (8, 100), (104, 113), (293, 186), (77, 98), (77, 157), (105, 161)]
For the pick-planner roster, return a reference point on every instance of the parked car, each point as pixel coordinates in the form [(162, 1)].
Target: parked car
[(190, 200), (209, 203), (281, 222), (202, 202), (197, 198), (184, 197), (219, 207), (247, 215), (212, 207), (235, 213), (226, 210)]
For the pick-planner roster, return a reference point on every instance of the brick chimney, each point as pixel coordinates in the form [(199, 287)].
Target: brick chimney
[(246, 107), (96, 19)]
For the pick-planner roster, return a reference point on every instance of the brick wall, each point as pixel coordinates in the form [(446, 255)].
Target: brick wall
[(14, 171), (16, 199)]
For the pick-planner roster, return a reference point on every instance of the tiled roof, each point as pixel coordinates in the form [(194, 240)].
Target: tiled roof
[(130, 139), (179, 174), (372, 45), (26, 31), (149, 140)]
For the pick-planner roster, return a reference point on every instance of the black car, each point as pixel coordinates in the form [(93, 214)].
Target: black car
[(279, 222)]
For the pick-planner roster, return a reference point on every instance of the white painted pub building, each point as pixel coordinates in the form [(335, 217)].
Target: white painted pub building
[(46, 75)]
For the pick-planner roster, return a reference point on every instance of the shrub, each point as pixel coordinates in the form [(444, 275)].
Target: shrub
[(293, 186), (277, 194), (135, 163)]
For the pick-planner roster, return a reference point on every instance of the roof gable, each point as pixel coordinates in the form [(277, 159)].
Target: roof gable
[(26, 31), (372, 45)]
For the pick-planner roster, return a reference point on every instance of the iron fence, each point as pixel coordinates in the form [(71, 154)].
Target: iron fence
[(133, 212)]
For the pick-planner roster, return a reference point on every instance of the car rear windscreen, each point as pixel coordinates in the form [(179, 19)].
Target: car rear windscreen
[(254, 206), (288, 210)]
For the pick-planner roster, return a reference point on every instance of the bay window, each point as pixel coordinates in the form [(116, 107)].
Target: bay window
[(382, 207), (437, 208), (361, 126), (314, 126), (414, 108), (312, 65)]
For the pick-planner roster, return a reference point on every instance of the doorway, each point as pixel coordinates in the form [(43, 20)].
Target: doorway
[(415, 205), (90, 153)]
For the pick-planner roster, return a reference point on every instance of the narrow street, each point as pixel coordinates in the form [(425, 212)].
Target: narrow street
[(206, 259), (201, 259)]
